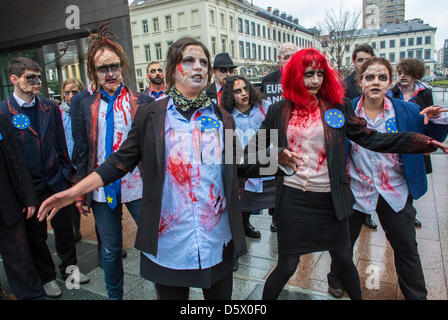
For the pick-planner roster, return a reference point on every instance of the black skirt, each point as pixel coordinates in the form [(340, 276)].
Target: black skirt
[(198, 278), (307, 223), (251, 201)]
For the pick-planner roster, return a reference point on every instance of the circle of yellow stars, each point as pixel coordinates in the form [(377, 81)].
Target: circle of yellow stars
[(21, 121), (207, 124), (335, 119), (391, 126)]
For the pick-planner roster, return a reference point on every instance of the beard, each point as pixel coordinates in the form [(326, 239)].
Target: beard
[(156, 80)]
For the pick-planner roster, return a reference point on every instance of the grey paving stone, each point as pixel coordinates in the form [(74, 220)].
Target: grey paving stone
[(143, 291), (131, 264), (261, 263), (242, 288), (249, 271), (257, 293)]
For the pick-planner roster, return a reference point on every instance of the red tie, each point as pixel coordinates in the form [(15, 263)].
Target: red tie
[(219, 96)]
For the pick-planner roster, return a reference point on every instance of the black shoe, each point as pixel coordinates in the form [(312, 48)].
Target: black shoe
[(236, 265), (368, 222), (337, 293), (273, 227), (124, 254), (418, 224), (250, 232), (78, 236)]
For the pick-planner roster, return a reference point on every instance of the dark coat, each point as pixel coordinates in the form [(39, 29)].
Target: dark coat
[(424, 98), (45, 153), (211, 93), (75, 116), (274, 77), (353, 89), (335, 141), (17, 186), (87, 138), (146, 142)]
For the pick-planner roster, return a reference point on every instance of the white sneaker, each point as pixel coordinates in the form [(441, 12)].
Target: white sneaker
[(83, 279), (52, 289)]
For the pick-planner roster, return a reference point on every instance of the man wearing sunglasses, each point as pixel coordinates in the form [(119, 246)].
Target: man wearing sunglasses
[(156, 78), (40, 134), (223, 67)]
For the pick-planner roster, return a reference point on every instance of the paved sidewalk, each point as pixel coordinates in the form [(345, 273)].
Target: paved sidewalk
[(309, 281)]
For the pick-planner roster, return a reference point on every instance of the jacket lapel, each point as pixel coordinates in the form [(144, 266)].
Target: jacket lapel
[(158, 110), (44, 116), (399, 115), (94, 114)]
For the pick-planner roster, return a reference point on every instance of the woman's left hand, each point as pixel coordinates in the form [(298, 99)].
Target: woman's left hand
[(432, 112), (439, 145)]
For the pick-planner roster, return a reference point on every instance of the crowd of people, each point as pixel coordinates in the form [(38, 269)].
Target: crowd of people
[(343, 150)]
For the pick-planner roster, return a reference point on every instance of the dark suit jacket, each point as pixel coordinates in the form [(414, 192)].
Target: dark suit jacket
[(353, 90), (211, 93), (355, 129), (146, 142), (424, 98), (16, 183), (75, 116), (45, 153), (87, 139), (274, 77)]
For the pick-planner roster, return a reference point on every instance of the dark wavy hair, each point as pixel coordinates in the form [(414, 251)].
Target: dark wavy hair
[(412, 67), (293, 79), (101, 40), (228, 98)]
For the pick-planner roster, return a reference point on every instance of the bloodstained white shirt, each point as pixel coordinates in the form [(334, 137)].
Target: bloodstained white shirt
[(131, 183), (306, 138)]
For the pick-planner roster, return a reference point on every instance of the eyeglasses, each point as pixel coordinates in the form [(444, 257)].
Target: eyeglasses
[(160, 70), (225, 70), (108, 68), (33, 79), (73, 92), (240, 90)]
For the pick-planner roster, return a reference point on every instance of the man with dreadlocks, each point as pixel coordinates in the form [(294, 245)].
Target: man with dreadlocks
[(104, 120)]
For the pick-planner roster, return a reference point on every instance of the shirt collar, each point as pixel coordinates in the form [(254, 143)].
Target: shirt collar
[(22, 103), (237, 113), (171, 106), (218, 87), (388, 105)]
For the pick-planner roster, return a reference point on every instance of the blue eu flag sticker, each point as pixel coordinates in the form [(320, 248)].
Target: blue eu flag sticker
[(207, 124), (391, 126), (111, 197), (1, 137), (21, 121), (334, 118)]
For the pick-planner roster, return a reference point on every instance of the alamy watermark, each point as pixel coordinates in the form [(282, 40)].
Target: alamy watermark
[(72, 281), (73, 21)]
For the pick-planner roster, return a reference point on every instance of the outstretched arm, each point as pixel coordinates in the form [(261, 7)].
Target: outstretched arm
[(62, 199)]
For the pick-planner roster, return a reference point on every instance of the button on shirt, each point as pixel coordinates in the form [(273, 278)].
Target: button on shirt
[(246, 126), (194, 224), (306, 138), (131, 183)]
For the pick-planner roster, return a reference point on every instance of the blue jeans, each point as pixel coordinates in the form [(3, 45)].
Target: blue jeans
[(109, 227)]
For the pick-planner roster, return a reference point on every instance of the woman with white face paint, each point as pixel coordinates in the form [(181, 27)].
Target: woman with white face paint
[(190, 222), (387, 183)]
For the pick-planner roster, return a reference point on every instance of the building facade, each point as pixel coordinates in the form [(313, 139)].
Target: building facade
[(251, 35), (395, 42), (378, 13)]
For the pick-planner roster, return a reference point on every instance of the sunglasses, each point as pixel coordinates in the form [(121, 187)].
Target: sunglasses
[(108, 68), (225, 70), (33, 79), (240, 90), (73, 92)]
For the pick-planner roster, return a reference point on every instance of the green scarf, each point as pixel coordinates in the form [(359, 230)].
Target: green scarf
[(185, 104)]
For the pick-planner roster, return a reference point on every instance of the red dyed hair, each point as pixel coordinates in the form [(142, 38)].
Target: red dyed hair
[(293, 79)]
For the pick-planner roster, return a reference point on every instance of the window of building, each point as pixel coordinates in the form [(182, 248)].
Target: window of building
[(246, 27), (410, 42), (169, 43), (231, 23), (383, 44), (428, 40), (383, 55), (274, 35), (169, 23), (419, 54), (410, 53), (402, 42), (212, 17), (254, 51), (392, 56), (279, 38), (241, 50), (269, 33), (284, 37), (374, 45), (195, 17), (181, 20), (347, 48), (289, 37), (259, 52), (240, 25), (232, 49), (253, 31), (427, 54), (213, 46), (223, 20), (248, 55), (223, 45), (264, 32), (419, 41), (155, 22), (141, 86), (258, 30), (402, 55), (147, 52), (391, 43), (158, 51), (270, 53), (264, 53), (139, 72), (145, 26), (275, 54)]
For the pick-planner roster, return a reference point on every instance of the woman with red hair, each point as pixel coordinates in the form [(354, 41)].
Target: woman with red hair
[(313, 203)]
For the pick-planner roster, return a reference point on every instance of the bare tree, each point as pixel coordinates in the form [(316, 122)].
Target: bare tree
[(337, 33)]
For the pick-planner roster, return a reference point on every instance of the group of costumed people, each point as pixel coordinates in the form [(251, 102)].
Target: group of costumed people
[(168, 161)]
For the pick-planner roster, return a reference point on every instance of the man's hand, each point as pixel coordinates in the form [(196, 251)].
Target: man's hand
[(432, 112), (289, 158), (81, 205), (29, 211)]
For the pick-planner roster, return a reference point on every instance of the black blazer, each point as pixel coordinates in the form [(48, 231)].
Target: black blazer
[(274, 77), (211, 93), (17, 191), (424, 98), (75, 117), (355, 129), (44, 149), (353, 89), (146, 142)]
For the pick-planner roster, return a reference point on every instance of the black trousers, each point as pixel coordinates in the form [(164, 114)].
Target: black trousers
[(400, 232), (19, 267), (64, 241)]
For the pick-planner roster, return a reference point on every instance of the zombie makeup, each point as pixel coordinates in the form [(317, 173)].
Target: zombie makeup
[(361, 58), (192, 71), (313, 79), (108, 71), (221, 75), (155, 74), (241, 95), (30, 82), (375, 81), (405, 80)]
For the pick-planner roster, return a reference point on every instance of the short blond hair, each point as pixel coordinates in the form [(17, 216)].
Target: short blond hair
[(70, 81)]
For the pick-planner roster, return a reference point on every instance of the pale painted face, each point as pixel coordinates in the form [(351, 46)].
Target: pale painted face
[(221, 75), (285, 55), (376, 81), (241, 95), (404, 79), (108, 71), (192, 72), (313, 79), (29, 83), (70, 90), (361, 58)]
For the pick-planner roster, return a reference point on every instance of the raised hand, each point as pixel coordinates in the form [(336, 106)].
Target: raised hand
[(431, 112), (439, 145), (54, 203)]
